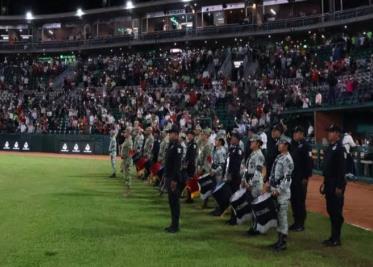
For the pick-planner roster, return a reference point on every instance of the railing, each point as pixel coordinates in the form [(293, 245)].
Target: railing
[(362, 156), (231, 30)]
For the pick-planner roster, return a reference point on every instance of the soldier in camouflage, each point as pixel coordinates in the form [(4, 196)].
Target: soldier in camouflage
[(139, 140), (254, 173), (163, 147), (279, 185), (148, 151), (113, 152), (219, 156), (126, 154), (204, 159)]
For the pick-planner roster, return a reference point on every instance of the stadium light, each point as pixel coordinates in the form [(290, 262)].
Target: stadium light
[(79, 12), (273, 12), (129, 4), (29, 15)]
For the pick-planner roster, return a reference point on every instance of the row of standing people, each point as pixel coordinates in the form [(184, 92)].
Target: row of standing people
[(282, 169)]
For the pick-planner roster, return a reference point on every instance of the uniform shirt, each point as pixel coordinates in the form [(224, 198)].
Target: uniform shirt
[(218, 161), (190, 160), (138, 142), (254, 167), (302, 156), (334, 167), (204, 159), (148, 147), (113, 146), (348, 142), (235, 156), (127, 148), (272, 152), (162, 150), (282, 169), (172, 169)]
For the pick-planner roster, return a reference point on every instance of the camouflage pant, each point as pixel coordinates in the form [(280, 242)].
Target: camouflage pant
[(126, 166), (282, 216)]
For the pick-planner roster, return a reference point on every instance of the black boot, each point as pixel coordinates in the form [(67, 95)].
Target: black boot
[(281, 245), (276, 243), (205, 203), (216, 212)]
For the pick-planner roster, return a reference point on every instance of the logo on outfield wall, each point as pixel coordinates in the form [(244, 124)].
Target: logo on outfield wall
[(64, 148), (16, 146), (6, 145), (76, 149), (26, 147), (87, 149)]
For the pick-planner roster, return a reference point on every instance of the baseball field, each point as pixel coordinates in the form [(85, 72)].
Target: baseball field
[(65, 212)]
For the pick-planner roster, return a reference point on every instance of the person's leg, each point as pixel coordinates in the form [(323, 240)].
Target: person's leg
[(337, 215), (113, 168), (330, 210), (294, 200), (282, 227), (302, 204), (173, 200)]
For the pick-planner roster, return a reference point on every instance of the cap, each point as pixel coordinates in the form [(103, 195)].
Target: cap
[(236, 133), (255, 137), (298, 129), (334, 128), (174, 129), (207, 131), (284, 140), (278, 127)]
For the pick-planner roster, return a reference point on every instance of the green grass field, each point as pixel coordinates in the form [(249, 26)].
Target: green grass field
[(66, 212)]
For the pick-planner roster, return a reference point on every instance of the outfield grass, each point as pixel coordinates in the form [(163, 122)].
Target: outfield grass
[(65, 212)]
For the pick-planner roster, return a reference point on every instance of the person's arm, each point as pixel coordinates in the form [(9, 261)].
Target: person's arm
[(288, 167), (340, 170), (177, 165), (308, 162)]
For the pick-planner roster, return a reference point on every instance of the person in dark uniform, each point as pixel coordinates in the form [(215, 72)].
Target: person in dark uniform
[(172, 174), (272, 151), (190, 161), (334, 183), (233, 175), (302, 157)]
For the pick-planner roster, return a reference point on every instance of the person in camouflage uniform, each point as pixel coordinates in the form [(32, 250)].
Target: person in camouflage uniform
[(148, 151), (139, 140), (253, 178), (126, 154), (254, 173), (163, 147), (113, 152), (204, 159), (219, 156), (279, 185)]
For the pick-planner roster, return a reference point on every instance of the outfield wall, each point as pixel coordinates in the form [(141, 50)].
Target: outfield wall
[(67, 144)]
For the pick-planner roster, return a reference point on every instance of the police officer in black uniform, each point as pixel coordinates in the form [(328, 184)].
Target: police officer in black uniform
[(302, 157), (189, 164), (272, 151), (233, 174), (334, 183), (172, 174)]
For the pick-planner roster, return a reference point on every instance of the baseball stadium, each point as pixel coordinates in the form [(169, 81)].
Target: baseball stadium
[(186, 133)]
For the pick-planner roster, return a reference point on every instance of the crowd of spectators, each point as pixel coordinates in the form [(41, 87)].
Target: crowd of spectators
[(254, 81)]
